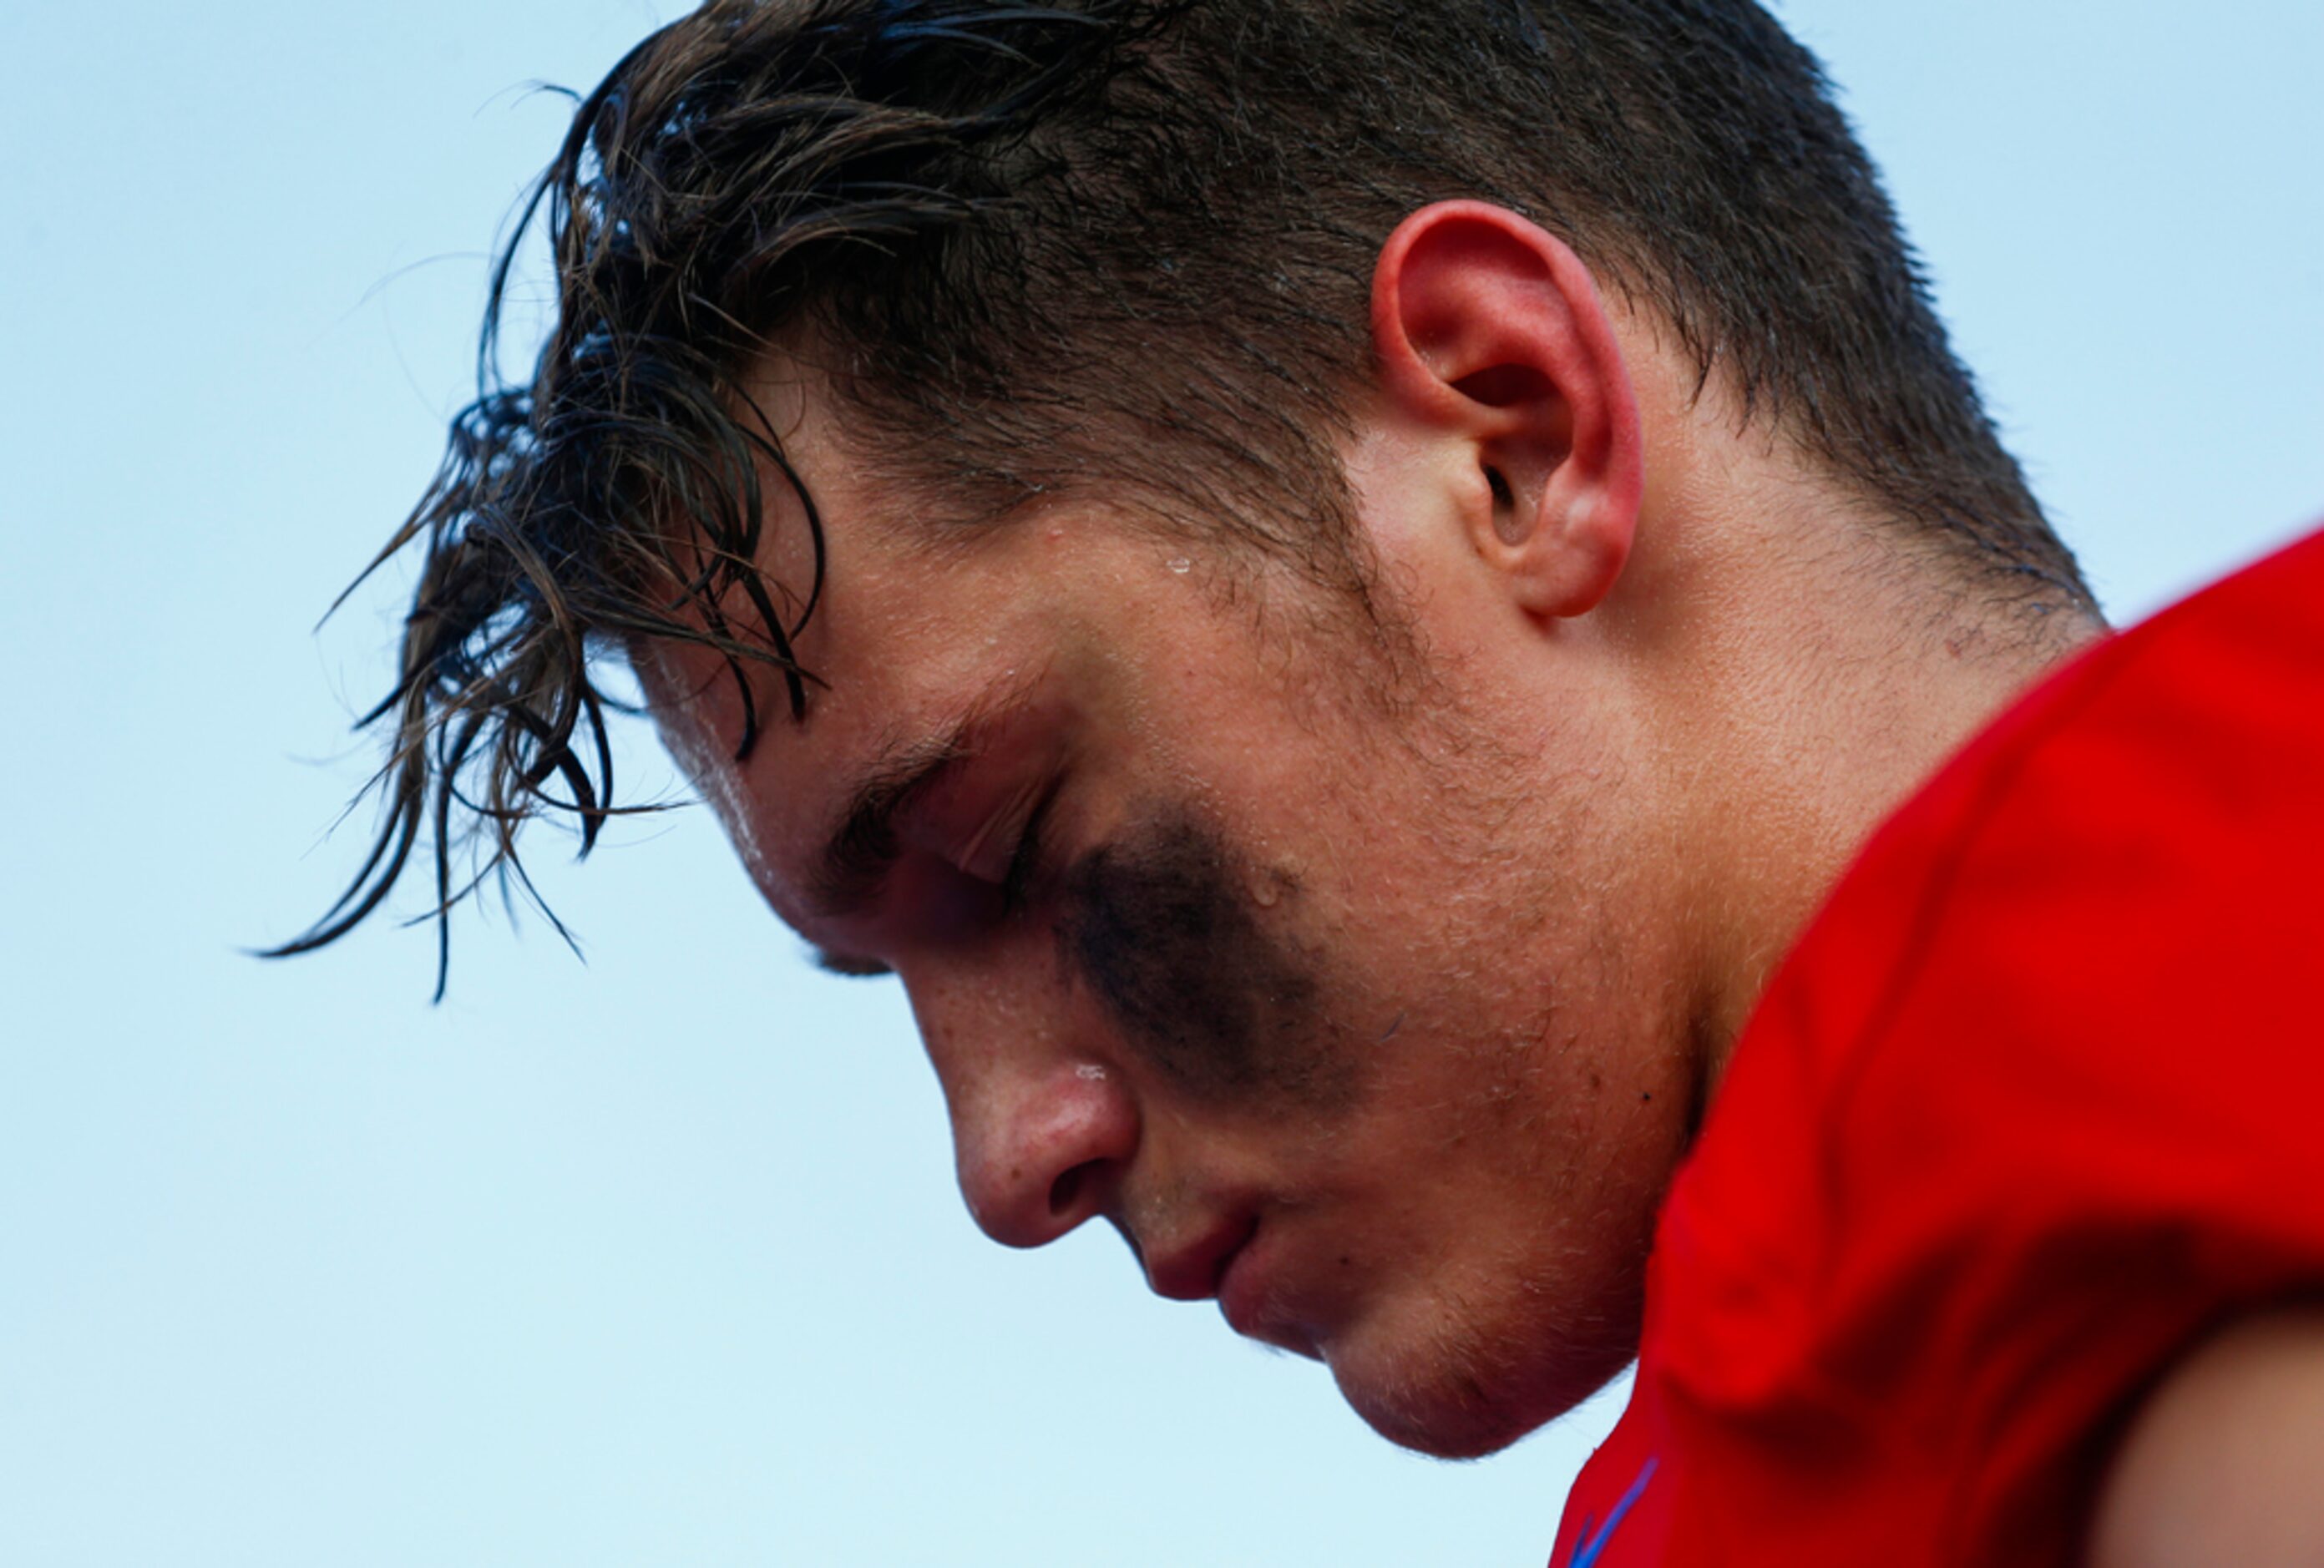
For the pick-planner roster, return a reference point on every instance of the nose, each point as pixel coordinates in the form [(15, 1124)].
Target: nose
[(1041, 1148), (1043, 1130)]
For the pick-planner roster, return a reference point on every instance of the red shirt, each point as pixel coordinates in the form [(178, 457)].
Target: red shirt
[(2036, 1101)]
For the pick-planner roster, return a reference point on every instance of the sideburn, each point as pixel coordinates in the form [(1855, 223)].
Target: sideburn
[(1162, 924)]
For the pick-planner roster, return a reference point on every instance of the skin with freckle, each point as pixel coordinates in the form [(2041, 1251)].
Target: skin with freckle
[(1329, 585), (1350, 902), (1260, 986)]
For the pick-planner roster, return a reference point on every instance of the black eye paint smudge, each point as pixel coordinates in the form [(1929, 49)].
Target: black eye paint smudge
[(1160, 924)]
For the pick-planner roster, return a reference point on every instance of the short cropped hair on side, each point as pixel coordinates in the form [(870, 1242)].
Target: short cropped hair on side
[(1127, 244)]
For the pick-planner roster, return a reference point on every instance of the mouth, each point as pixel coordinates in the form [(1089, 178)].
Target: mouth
[(1230, 1262), (1255, 1298), (1243, 1292), (1199, 1271)]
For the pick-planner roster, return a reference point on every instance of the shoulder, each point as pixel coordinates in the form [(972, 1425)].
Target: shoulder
[(2224, 1462), (2104, 909), (2134, 848), (2031, 1106)]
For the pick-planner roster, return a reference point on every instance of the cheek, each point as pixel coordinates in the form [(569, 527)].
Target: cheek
[(1162, 927)]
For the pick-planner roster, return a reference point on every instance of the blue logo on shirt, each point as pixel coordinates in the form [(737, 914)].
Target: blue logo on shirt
[(1592, 1545)]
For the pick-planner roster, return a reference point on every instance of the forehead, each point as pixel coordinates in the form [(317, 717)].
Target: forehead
[(889, 682), (697, 696), (1129, 632), (916, 627)]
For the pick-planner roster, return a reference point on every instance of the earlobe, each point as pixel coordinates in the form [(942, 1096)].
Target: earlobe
[(1489, 331)]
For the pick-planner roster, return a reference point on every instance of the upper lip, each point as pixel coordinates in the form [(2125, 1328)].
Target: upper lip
[(1192, 1272)]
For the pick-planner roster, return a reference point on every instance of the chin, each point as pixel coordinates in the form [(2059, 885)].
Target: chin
[(1453, 1395), (1426, 1428)]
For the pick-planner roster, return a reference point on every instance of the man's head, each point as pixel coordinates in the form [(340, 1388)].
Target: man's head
[(1329, 565)]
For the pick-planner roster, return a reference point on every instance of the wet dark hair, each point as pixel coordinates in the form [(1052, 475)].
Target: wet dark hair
[(1118, 243)]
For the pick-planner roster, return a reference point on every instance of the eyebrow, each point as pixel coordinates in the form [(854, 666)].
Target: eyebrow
[(859, 852), (862, 848), (857, 855)]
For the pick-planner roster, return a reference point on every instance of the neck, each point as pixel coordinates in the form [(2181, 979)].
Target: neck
[(1799, 737)]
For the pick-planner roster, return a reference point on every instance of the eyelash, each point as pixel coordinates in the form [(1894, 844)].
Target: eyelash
[(1024, 861)]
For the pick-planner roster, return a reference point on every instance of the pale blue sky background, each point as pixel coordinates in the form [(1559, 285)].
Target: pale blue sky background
[(659, 1261)]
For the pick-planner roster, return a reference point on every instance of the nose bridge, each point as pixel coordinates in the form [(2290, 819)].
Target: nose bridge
[(1042, 1127)]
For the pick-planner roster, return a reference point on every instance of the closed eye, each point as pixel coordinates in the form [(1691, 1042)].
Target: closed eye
[(1024, 865), (993, 850)]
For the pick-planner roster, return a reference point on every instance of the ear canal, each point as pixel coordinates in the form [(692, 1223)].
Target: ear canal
[(1503, 386)]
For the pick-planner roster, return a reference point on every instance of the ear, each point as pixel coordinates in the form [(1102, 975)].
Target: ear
[(1488, 330)]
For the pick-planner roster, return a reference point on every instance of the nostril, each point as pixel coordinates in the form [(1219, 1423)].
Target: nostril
[(1066, 1190)]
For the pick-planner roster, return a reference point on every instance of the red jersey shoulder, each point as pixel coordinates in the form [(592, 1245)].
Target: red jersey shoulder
[(2028, 1107), (1619, 1513), (2183, 755)]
